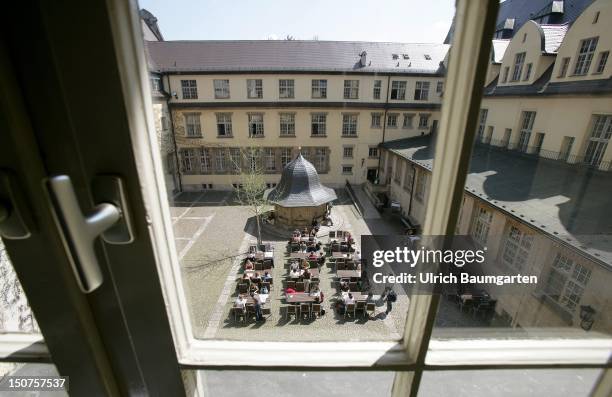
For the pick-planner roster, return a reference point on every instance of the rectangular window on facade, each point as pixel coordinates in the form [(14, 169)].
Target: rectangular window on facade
[(516, 248), (601, 63), (377, 88), (188, 162), (598, 140), (566, 148), (398, 90), (538, 142), (222, 89), (320, 159), (190, 89), (256, 124), (566, 282), (349, 125), (376, 120), (285, 156), (373, 152), (489, 135), (420, 186), (506, 139), (224, 124), (192, 125), (519, 60), (408, 118), (528, 119), (347, 169), (564, 66), (254, 88), (421, 91), (482, 121), (319, 88), (439, 87), (221, 160), (347, 152), (481, 225), (286, 88), (205, 160), (408, 178), (585, 56), (351, 89), (235, 160), (423, 121), (505, 77), (397, 171), (156, 84), (528, 71), (270, 159), (318, 124), (287, 124), (392, 120)]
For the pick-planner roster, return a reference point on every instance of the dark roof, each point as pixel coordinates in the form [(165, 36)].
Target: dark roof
[(513, 14), (300, 186), (570, 203), (295, 55), (151, 22)]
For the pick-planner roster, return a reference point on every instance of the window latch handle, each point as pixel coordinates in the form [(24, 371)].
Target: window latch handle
[(79, 231)]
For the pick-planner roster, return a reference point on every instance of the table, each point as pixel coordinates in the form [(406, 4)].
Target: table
[(358, 297), (298, 255), (264, 255), (251, 301), (300, 297), (251, 273), (339, 254), (314, 272), (348, 273)]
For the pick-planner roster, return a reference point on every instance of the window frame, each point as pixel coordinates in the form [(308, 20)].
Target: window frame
[(254, 86), (585, 56), (351, 89), (221, 88), (286, 88), (321, 89)]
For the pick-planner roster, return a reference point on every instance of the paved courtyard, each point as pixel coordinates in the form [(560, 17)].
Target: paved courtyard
[(212, 235)]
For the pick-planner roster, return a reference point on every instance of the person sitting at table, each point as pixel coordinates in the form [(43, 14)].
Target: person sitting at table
[(248, 265), (344, 286), (313, 232), (370, 297), (306, 275), (295, 273), (357, 257), (318, 246), (289, 291), (251, 255), (256, 279), (240, 302), (295, 265), (263, 290), (313, 256), (246, 278), (305, 231), (305, 264), (266, 277), (321, 259), (254, 287), (303, 246), (314, 290), (349, 299)]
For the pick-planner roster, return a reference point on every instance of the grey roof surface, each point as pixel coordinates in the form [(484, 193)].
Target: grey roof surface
[(300, 186), (151, 22), (294, 55), (567, 202), (524, 10), (499, 49), (553, 36)]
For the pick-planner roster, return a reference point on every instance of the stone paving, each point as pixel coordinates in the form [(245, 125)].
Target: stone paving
[(212, 234)]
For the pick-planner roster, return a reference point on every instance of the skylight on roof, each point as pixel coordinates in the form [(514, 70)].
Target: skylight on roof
[(427, 57), (405, 56), (395, 56)]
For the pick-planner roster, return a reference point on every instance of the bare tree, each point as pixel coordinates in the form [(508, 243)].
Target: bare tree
[(250, 191)]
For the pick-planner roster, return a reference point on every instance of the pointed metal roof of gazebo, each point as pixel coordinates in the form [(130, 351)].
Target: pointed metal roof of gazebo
[(300, 186)]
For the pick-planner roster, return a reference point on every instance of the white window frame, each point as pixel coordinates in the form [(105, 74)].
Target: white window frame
[(408, 122), (347, 152), (377, 89), (189, 89), (256, 125), (424, 121), (320, 120), (193, 127), (394, 117), (319, 89), (398, 90), (254, 88), (481, 224), (597, 143), (601, 62), (586, 51), (287, 124), (286, 88), (564, 67), (421, 91), (528, 71), (351, 89), (519, 61), (225, 120), (527, 120), (221, 88), (349, 124)]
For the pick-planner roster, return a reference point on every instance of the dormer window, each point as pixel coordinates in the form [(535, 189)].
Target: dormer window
[(427, 57), (395, 56), (405, 56), (596, 17)]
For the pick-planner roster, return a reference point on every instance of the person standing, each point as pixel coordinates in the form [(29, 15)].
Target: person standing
[(258, 303), (390, 297)]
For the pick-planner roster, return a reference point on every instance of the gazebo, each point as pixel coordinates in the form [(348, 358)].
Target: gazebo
[(299, 197)]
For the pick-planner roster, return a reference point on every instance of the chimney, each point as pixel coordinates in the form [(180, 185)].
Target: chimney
[(363, 56)]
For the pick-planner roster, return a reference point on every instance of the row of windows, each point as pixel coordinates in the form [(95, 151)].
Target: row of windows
[(597, 141), (255, 124), (565, 282), (286, 89)]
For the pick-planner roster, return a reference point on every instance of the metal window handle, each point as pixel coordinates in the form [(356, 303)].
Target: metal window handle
[(80, 231)]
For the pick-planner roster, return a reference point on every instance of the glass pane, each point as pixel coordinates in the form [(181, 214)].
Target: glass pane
[(246, 175), (340, 384), (509, 383), (15, 312)]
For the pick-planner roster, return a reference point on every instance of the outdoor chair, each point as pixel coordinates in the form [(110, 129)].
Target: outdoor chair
[(305, 310), (360, 307), (243, 288), (300, 286), (332, 234), (371, 309), (259, 265), (267, 285), (238, 312), (291, 284), (291, 311), (250, 312), (268, 264), (315, 311), (353, 287), (349, 310)]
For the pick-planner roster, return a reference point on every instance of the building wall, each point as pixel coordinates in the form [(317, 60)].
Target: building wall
[(531, 308)]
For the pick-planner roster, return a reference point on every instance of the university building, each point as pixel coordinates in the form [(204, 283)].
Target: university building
[(539, 186)]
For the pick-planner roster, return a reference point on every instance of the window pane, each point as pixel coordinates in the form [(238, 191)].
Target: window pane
[(298, 384), (509, 383), (15, 312)]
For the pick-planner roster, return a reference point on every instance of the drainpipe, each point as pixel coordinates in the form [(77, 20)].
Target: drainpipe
[(414, 176), (176, 153), (384, 124)]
